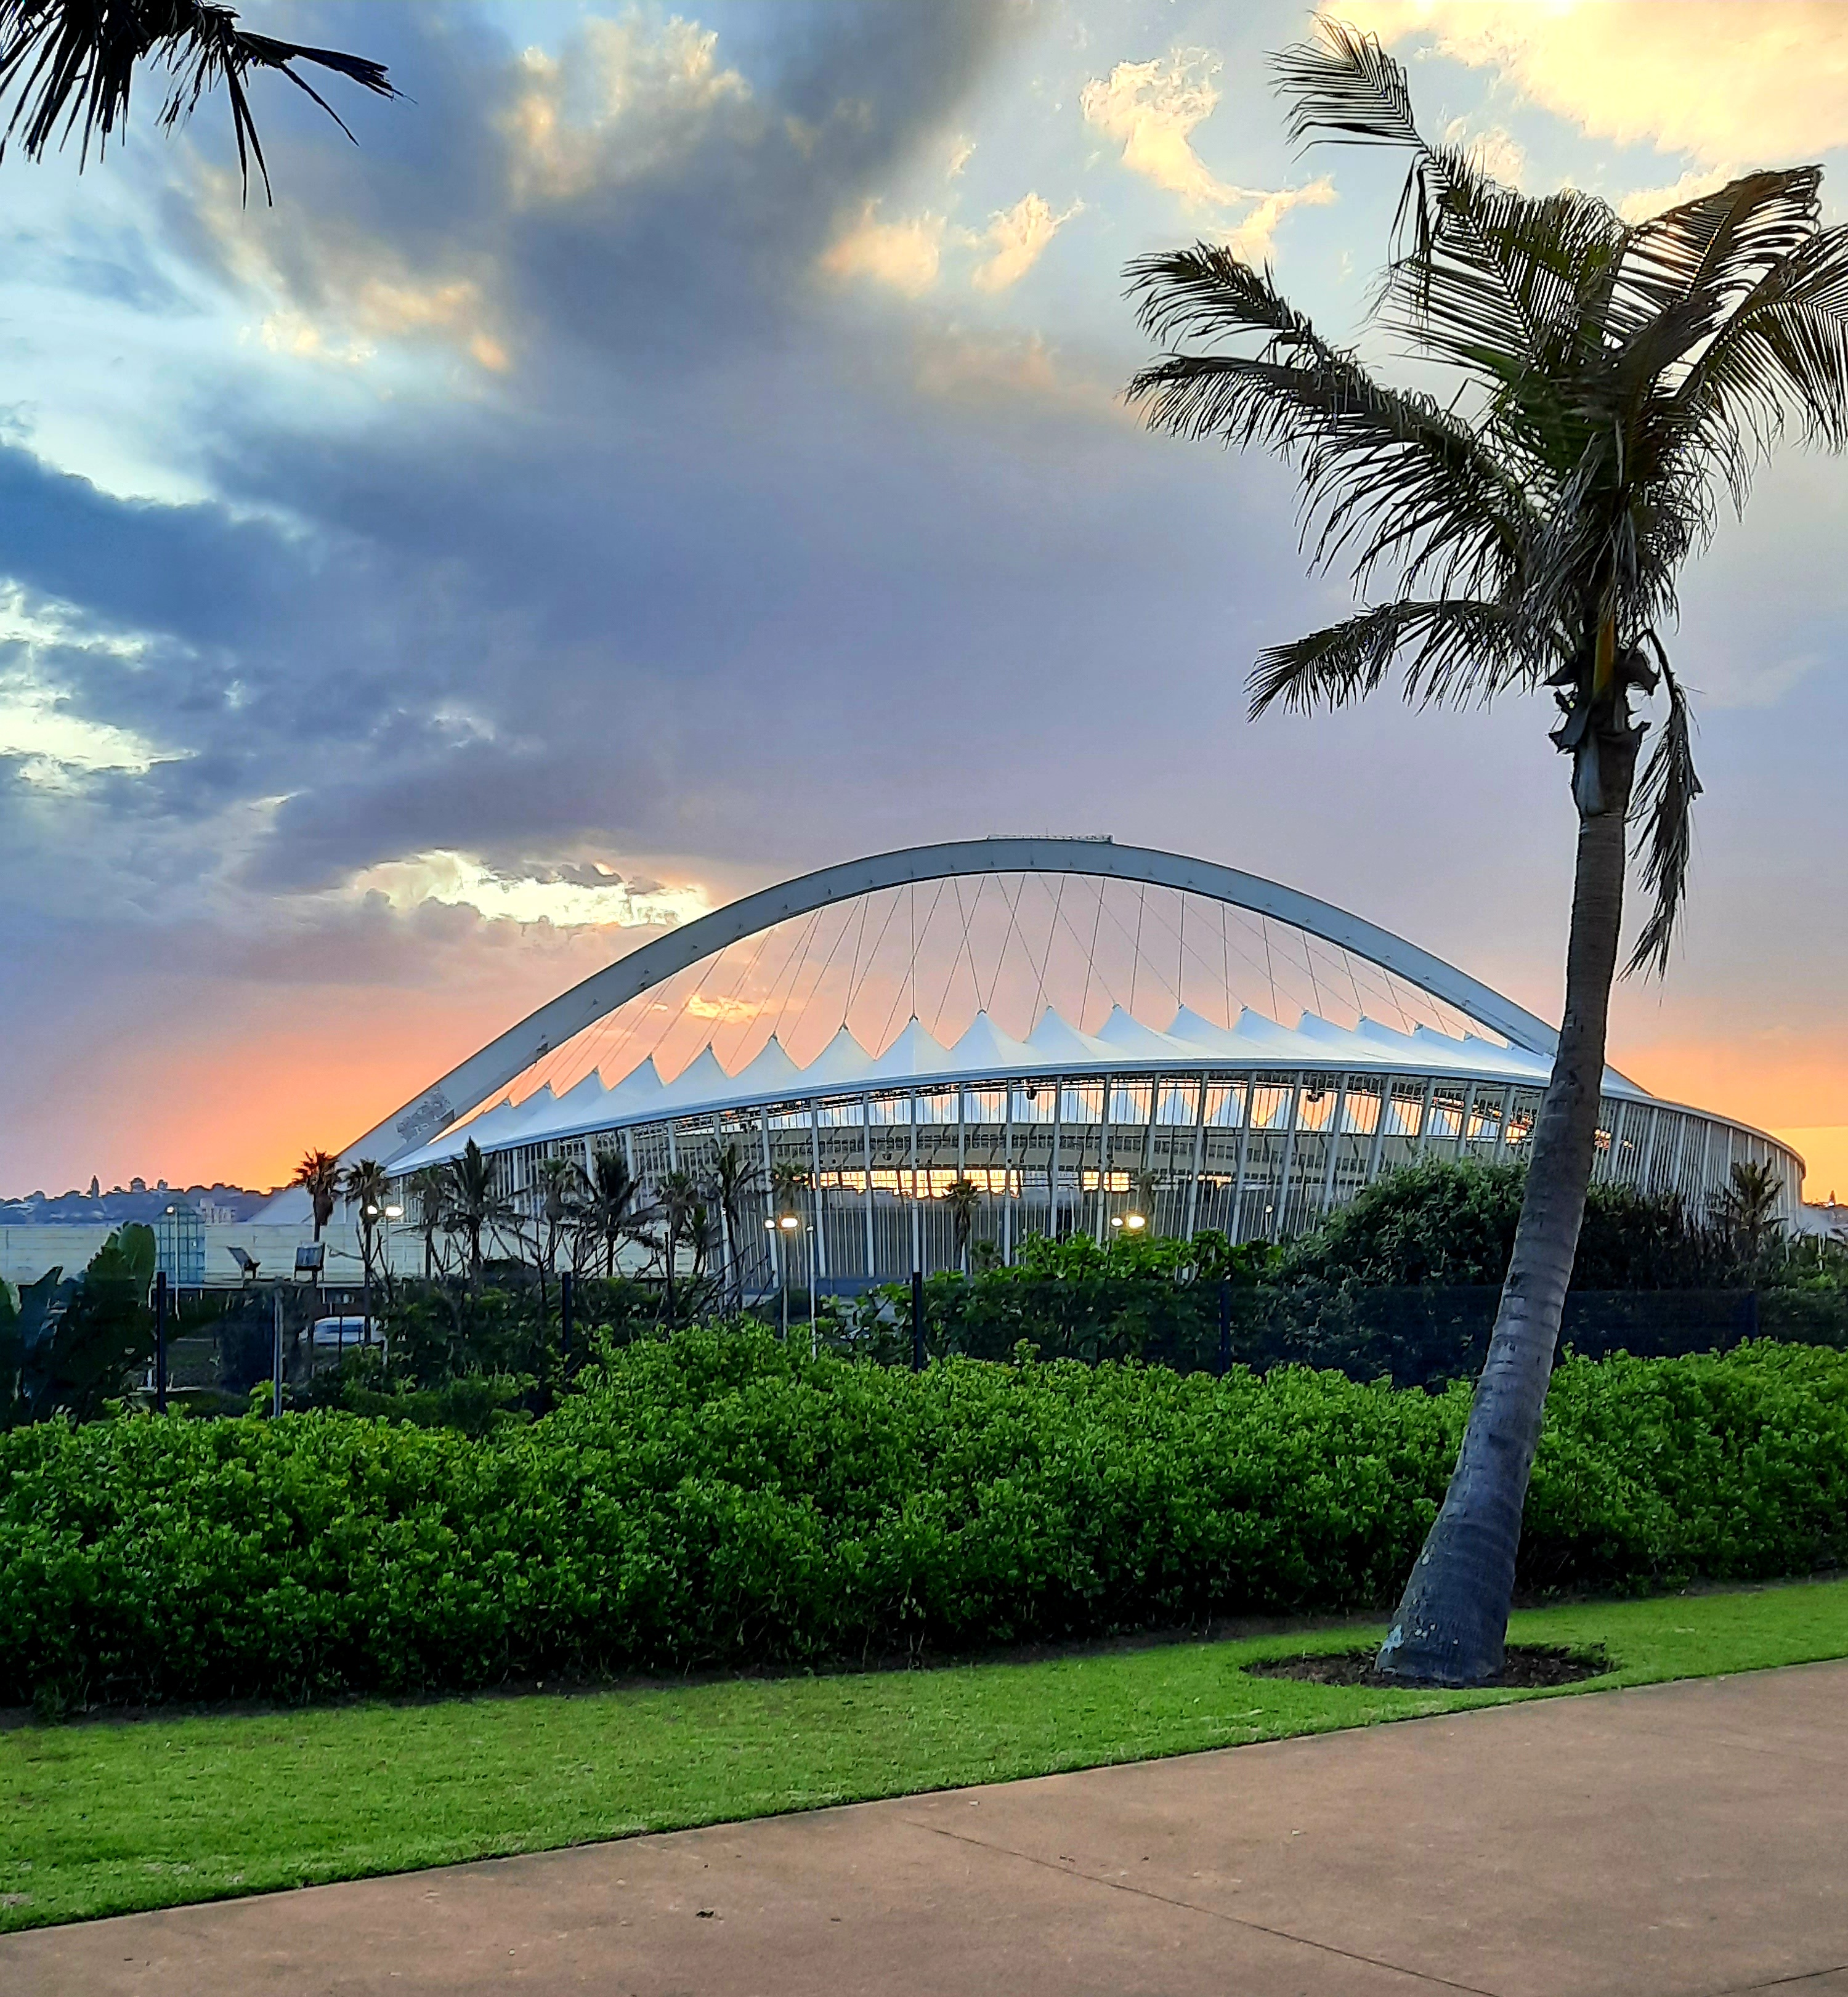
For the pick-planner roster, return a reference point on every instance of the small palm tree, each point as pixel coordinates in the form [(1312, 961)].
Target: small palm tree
[(70, 65), (319, 1175), (608, 1213), (963, 1197), (1747, 1206), (1614, 381)]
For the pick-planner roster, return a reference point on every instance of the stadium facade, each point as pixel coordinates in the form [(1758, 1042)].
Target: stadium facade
[(1250, 1122)]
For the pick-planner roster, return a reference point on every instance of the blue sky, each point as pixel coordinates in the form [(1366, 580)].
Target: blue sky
[(669, 451)]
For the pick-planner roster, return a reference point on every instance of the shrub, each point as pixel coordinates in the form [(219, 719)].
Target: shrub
[(1451, 1224), (719, 1499)]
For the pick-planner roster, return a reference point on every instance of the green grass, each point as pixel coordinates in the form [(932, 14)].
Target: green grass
[(107, 1817)]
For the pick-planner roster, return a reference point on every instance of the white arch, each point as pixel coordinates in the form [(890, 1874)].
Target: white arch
[(516, 1050)]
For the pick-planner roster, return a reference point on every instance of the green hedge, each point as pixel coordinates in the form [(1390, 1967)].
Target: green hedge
[(719, 1499)]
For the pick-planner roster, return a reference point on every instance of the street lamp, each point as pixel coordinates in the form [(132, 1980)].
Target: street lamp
[(782, 1224)]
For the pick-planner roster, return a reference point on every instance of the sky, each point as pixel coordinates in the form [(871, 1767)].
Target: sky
[(669, 451)]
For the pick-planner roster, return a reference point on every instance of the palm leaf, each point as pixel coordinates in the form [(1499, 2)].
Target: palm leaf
[(1383, 470), (71, 65), (1666, 792), (1451, 650)]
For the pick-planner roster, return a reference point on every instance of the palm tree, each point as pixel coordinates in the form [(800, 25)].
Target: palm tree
[(319, 1175), (428, 1189), (472, 1202), (69, 64), (963, 1197), (560, 1182), (365, 1187), (1613, 380), (1747, 1206), (733, 1179), (677, 1200), (608, 1212)]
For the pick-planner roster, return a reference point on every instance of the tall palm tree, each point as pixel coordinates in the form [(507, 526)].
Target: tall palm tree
[(561, 1184), (963, 1197), (1614, 381), (365, 1187), (677, 1200), (608, 1210), (428, 1189), (319, 1175), (734, 1178), (473, 1204), (69, 65)]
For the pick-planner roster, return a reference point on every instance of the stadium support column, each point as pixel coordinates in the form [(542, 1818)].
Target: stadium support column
[(1275, 1230), (1007, 1179), (866, 1123), (1052, 1169), (1238, 1184), (1193, 1192), (1334, 1141), (819, 1254), (917, 1212), (1379, 1129)]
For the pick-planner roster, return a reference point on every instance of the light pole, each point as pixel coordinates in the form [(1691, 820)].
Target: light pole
[(785, 1225)]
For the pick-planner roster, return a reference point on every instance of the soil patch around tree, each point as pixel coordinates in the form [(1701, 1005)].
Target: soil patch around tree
[(1529, 1668)]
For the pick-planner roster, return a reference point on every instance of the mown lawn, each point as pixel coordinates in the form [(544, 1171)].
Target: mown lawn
[(106, 1817)]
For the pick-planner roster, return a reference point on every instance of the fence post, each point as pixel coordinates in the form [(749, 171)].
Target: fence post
[(917, 1320), (159, 1341), (564, 1317), (276, 1358), (1225, 1365)]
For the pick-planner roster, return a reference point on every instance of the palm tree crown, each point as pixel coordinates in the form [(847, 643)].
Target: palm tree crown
[(1614, 379), (319, 1175)]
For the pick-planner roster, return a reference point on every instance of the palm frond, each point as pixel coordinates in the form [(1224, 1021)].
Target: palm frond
[(1703, 256), (1666, 791), (1383, 471), (71, 65), (1490, 279), (1451, 649), (1345, 89)]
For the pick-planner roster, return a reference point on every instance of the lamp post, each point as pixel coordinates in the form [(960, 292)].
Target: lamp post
[(784, 1224), (160, 1339)]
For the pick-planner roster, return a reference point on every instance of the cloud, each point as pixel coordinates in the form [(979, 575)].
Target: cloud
[(1017, 237), (576, 898), (623, 104), (1767, 83), (906, 254), (1252, 238), (1153, 107)]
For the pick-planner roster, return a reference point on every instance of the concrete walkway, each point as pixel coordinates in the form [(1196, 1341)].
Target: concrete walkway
[(1682, 1839)]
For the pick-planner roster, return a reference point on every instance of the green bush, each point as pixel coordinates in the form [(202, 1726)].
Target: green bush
[(1447, 1223), (719, 1499)]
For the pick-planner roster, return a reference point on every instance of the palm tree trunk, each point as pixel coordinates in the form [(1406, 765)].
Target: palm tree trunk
[(1452, 1623)]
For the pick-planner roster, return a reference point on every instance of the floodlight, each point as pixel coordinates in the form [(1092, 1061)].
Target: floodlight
[(309, 1256)]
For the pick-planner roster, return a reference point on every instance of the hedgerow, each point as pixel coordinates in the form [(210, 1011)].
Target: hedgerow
[(719, 1499)]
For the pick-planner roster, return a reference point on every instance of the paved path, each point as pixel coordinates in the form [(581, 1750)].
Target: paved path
[(1679, 1841)]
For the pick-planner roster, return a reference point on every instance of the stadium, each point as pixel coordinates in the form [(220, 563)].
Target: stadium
[(1094, 1036)]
